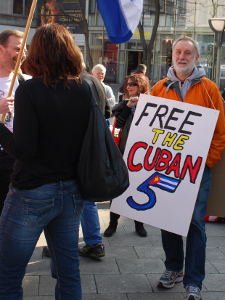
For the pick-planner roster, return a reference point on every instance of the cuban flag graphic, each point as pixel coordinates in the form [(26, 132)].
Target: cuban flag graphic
[(163, 182), (120, 17)]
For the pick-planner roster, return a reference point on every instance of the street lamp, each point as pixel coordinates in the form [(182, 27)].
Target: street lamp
[(218, 25)]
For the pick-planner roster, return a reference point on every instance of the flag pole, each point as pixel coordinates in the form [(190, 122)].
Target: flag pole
[(29, 20)]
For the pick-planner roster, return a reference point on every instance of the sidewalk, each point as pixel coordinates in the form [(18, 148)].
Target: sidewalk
[(131, 267)]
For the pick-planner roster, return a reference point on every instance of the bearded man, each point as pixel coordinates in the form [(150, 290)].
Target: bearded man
[(186, 82)]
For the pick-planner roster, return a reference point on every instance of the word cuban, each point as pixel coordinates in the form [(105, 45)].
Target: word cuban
[(144, 155)]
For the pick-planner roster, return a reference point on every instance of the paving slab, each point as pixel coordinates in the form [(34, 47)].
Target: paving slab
[(105, 297), (39, 298), (150, 252), (30, 285), (213, 296), (215, 282), (91, 266), (128, 240), (156, 240), (120, 284), (127, 252), (88, 284), (211, 268), (47, 286), (215, 254), (215, 229), (39, 267), (216, 241), (140, 266), (158, 296)]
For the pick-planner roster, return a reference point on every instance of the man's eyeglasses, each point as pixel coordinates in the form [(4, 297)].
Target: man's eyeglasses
[(132, 84)]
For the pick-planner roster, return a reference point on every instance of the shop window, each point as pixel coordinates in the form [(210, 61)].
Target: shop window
[(92, 4), (110, 61), (181, 13), (22, 7)]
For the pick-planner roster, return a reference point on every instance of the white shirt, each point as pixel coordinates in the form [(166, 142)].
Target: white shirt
[(109, 94), (5, 83)]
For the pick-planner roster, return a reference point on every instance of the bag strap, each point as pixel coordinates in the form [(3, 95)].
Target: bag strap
[(20, 78), (94, 98)]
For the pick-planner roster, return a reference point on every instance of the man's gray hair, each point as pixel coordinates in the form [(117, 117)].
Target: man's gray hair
[(187, 38), (99, 66)]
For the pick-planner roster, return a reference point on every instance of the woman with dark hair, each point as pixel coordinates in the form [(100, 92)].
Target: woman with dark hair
[(135, 85), (51, 114)]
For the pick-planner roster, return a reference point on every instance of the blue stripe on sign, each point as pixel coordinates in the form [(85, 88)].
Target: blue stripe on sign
[(167, 183), (162, 177)]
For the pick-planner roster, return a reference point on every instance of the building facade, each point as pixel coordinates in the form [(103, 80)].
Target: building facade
[(177, 17), (14, 14)]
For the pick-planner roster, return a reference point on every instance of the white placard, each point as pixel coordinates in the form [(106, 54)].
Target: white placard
[(165, 153)]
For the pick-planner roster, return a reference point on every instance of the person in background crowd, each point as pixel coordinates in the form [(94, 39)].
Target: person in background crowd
[(223, 95), (99, 72), (51, 115), (89, 219), (141, 68), (10, 44), (135, 85), (186, 82)]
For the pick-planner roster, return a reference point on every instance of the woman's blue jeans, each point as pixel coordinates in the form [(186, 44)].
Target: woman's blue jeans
[(196, 240), (56, 208)]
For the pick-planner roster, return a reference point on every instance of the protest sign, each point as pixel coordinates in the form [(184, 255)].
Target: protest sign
[(165, 154)]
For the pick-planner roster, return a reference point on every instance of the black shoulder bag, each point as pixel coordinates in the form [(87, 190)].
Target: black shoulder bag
[(101, 173)]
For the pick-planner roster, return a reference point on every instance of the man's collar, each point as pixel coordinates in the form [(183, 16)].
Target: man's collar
[(182, 81)]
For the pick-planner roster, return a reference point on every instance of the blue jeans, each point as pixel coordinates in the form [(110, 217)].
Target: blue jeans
[(90, 224), (196, 240), (57, 208)]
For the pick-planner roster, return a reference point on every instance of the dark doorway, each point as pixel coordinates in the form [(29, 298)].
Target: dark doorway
[(134, 59)]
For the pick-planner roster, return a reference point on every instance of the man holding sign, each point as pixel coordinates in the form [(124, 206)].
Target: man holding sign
[(186, 82)]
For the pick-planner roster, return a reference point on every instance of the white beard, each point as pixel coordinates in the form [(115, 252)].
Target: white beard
[(185, 70)]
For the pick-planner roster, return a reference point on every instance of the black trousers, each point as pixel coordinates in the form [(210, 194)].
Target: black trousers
[(6, 169), (115, 217)]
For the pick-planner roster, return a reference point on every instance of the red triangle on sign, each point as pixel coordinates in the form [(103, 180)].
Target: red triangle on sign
[(155, 180)]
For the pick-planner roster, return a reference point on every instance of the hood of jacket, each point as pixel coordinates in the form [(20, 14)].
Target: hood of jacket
[(175, 83), (197, 73)]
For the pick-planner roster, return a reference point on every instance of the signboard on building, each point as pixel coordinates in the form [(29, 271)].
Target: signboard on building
[(165, 154), (147, 34), (64, 12)]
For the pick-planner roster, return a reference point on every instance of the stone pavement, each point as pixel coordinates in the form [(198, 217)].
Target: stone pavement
[(131, 267)]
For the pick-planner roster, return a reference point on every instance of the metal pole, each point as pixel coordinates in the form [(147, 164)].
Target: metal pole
[(218, 65), (219, 45)]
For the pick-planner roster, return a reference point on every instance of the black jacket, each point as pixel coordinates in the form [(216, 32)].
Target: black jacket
[(103, 102), (122, 111)]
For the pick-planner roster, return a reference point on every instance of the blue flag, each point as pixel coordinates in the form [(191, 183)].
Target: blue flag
[(120, 17)]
